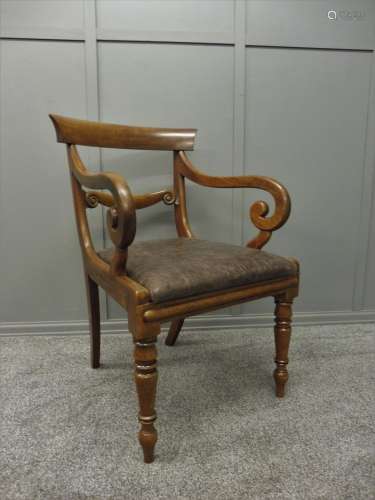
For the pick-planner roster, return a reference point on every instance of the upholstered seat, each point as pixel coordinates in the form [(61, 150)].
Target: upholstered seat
[(182, 267)]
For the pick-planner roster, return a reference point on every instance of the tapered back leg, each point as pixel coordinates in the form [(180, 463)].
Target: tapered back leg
[(94, 320), (174, 331)]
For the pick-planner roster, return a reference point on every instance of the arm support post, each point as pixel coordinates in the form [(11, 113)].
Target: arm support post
[(121, 218), (258, 210)]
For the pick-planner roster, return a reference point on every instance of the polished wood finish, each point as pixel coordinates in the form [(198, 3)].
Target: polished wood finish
[(180, 210), (283, 317), (258, 211), (174, 331), (215, 300), (145, 376), (108, 135), (167, 196), (94, 320), (145, 317)]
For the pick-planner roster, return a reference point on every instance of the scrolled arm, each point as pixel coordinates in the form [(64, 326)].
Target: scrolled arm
[(259, 210), (121, 216)]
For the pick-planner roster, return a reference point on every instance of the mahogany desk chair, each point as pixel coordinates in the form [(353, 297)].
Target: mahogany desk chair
[(168, 280)]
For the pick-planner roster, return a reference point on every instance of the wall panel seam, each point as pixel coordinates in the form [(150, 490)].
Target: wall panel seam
[(215, 38), (311, 47), (367, 194), (239, 115), (238, 121), (42, 34), (92, 106)]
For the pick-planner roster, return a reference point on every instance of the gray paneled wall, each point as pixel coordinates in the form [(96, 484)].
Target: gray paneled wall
[(274, 87), (305, 128)]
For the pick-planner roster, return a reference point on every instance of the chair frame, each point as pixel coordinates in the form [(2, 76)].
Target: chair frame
[(144, 316)]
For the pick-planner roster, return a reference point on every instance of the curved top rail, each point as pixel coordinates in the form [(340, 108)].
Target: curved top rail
[(108, 135)]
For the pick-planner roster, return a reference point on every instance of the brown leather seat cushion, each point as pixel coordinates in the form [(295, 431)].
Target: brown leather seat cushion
[(181, 267)]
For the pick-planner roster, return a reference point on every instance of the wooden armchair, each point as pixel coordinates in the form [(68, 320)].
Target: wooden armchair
[(168, 280)]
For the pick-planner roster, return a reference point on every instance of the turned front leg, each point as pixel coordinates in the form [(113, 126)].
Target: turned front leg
[(146, 378), (283, 317)]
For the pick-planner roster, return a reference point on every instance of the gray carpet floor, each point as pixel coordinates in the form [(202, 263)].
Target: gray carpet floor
[(69, 432)]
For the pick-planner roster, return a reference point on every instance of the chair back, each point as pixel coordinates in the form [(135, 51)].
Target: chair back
[(108, 135)]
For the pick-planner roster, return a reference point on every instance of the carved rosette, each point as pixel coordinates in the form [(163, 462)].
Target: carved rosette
[(169, 198), (91, 200)]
